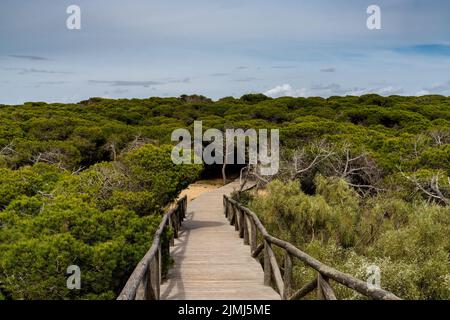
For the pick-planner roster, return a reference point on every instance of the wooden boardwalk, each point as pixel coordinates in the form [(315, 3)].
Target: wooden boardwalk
[(211, 261)]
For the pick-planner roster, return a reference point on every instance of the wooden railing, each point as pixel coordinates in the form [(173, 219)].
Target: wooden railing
[(248, 225), (144, 283)]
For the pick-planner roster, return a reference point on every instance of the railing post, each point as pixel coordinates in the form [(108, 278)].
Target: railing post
[(275, 269), (235, 218), (246, 228), (181, 213), (241, 223), (324, 290), (141, 290), (158, 273), (253, 235), (149, 294), (185, 207), (172, 238), (267, 266), (175, 224), (287, 279), (178, 214), (165, 245), (320, 295), (225, 206)]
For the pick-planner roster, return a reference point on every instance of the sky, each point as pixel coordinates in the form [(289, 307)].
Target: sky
[(219, 48)]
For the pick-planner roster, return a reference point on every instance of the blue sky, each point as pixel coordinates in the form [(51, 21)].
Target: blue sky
[(143, 48)]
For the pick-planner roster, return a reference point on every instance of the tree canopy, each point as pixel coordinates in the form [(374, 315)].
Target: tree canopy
[(362, 178)]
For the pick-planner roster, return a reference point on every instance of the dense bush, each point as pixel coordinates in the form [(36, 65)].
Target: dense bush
[(86, 184), (102, 219), (408, 241), (74, 135)]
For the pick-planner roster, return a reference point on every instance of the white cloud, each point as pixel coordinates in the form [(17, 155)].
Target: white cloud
[(439, 87), (390, 90), (327, 90), (422, 93), (435, 88), (382, 91), (285, 90)]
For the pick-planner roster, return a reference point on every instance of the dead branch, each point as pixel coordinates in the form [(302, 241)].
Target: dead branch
[(323, 152), (77, 171), (440, 136), (50, 157), (8, 149), (430, 188)]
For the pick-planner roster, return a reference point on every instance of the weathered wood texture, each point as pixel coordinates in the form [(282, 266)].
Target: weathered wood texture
[(216, 257), (210, 260), (234, 211), (144, 283)]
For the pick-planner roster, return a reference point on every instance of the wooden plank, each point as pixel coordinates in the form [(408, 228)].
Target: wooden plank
[(211, 263)]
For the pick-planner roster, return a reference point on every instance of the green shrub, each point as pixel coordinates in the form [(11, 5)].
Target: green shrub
[(102, 219), (408, 241)]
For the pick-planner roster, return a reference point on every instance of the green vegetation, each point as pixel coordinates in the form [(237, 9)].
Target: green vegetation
[(363, 180), (408, 241), (102, 219)]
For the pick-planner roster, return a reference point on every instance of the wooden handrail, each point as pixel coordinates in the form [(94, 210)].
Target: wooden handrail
[(272, 273), (144, 283)]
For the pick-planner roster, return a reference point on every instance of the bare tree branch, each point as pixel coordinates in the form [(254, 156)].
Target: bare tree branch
[(430, 188), (8, 149), (440, 136)]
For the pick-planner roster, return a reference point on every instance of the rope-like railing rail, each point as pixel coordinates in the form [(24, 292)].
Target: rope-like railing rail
[(144, 283), (248, 225)]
